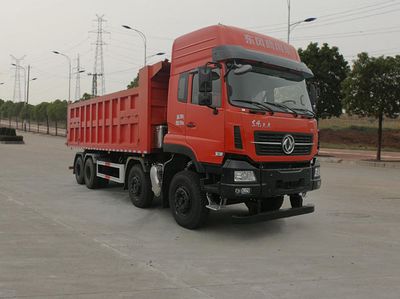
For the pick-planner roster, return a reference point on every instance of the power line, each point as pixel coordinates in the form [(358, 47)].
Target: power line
[(349, 34), (122, 32), (277, 27), (334, 18), (358, 18), (357, 11)]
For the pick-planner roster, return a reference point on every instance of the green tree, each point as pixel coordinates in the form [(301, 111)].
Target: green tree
[(41, 114), (16, 112), (134, 83), (85, 96), (330, 69), (25, 113), (57, 112), (372, 89), (6, 111), (1, 104)]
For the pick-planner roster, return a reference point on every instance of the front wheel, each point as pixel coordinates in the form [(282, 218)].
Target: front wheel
[(187, 202), (296, 200)]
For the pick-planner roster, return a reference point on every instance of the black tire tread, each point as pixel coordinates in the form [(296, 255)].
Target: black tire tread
[(92, 182), (79, 179)]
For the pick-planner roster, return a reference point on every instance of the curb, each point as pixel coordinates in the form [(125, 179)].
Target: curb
[(360, 162), (379, 164)]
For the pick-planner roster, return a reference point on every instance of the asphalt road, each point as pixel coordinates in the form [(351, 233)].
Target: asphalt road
[(61, 240)]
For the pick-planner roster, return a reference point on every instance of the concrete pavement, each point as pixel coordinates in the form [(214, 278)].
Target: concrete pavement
[(61, 240)]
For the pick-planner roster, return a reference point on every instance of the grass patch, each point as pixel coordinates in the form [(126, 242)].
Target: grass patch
[(350, 146), (345, 122)]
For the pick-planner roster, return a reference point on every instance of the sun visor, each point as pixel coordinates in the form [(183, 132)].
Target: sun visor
[(237, 52)]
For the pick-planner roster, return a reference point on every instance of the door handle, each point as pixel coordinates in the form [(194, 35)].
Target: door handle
[(191, 125)]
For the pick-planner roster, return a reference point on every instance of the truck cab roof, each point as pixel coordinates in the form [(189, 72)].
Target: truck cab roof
[(196, 48)]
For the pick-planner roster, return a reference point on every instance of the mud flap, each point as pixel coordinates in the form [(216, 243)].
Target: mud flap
[(282, 213)]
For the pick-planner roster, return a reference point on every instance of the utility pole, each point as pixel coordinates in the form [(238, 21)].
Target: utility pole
[(17, 95), (27, 86), (94, 83), (143, 37), (290, 26), (27, 97), (288, 21), (98, 69), (69, 72), (78, 80)]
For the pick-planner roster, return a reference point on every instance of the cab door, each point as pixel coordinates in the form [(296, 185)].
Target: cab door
[(204, 126)]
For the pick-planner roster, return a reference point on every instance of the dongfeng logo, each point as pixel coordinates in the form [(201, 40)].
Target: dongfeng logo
[(288, 144)]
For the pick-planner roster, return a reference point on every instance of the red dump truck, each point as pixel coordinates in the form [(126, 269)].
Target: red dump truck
[(229, 120)]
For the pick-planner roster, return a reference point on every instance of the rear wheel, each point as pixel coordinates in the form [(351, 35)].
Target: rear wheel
[(78, 169), (139, 187), (91, 179), (187, 202)]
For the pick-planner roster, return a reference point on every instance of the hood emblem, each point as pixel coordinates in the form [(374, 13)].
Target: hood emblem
[(288, 144)]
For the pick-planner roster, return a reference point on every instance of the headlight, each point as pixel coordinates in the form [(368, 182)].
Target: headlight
[(244, 176), (317, 172)]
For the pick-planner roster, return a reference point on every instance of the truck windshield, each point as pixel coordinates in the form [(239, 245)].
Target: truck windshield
[(271, 87)]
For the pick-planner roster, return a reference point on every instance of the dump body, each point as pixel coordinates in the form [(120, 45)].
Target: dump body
[(124, 121)]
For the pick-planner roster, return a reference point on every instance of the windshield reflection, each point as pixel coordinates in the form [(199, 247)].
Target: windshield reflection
[(266, 85)]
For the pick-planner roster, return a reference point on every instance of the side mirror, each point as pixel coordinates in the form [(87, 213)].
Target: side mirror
[(313, 90), (205, 79), (243, 69)]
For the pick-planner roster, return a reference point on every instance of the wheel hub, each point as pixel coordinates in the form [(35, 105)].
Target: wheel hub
[(78, 169), (182, 200), (135, 186)]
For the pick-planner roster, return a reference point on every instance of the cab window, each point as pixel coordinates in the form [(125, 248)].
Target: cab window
[(216, 89), (183, 87)]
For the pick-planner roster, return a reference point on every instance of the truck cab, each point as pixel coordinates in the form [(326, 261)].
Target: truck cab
[(252, 128)]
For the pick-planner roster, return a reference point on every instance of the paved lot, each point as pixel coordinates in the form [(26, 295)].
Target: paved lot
[(360, 154), (60, 240)]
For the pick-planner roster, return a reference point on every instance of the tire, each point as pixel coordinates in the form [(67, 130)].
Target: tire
[(78, 169), (91, 180), (266, 205), (296, 201), (139, 187), (187, 202)]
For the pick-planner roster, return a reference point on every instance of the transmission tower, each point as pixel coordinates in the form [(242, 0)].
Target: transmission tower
[(78, 79), (17, 95), (98, 86)]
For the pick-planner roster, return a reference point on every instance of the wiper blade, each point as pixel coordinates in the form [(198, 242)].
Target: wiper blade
[(257, 104), (310, 112), (283, 106)]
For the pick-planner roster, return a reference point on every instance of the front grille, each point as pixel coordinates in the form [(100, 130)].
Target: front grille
[(270, 143)]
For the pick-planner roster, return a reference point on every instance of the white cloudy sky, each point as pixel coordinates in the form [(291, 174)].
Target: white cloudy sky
[(36, 27)]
